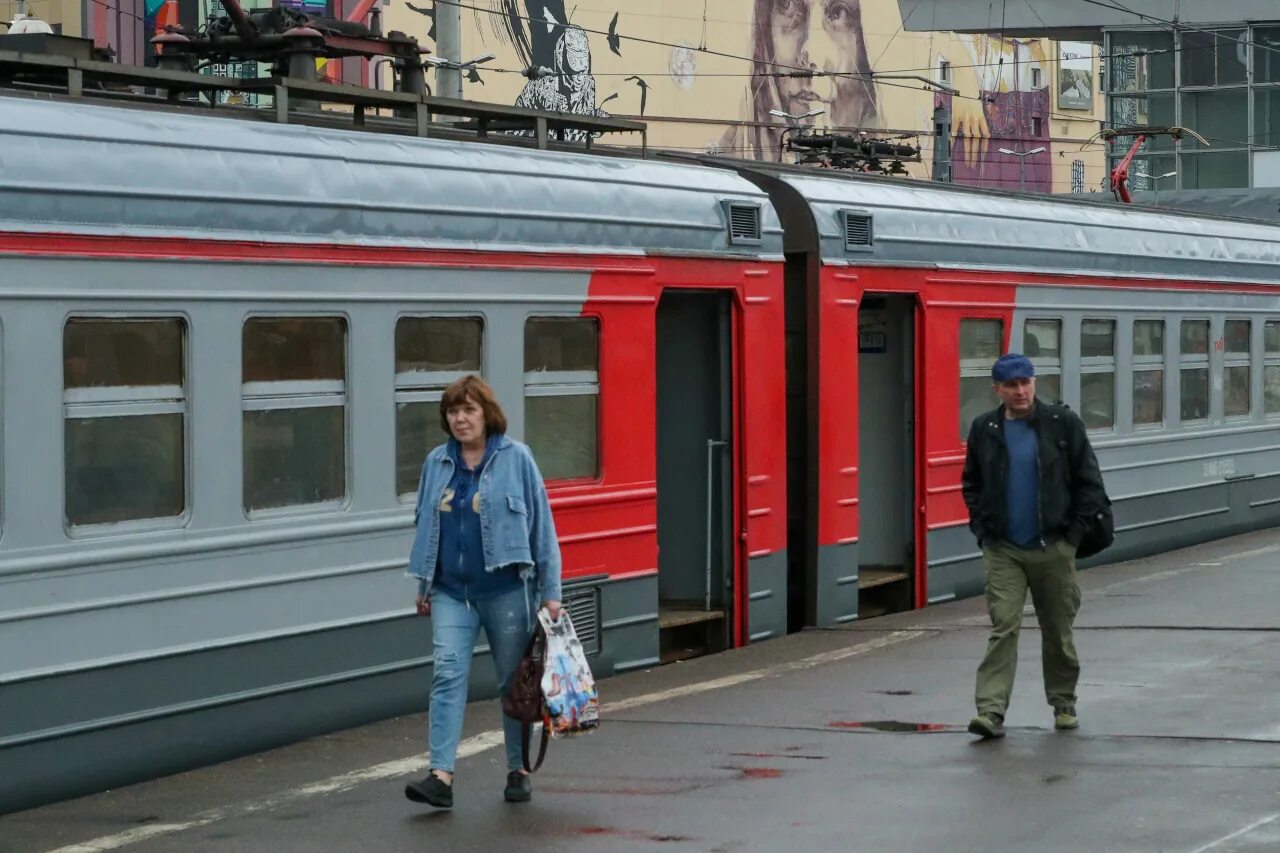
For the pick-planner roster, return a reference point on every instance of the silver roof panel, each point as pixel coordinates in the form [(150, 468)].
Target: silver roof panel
[(96, 169), (916, 222)]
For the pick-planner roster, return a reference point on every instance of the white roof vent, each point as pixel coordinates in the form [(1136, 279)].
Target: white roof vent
[(744, 222), (28, 24), (857, 230)]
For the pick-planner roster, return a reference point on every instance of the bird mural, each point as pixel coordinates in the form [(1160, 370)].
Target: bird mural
[(644, 91), (429, 13), (615, 41)]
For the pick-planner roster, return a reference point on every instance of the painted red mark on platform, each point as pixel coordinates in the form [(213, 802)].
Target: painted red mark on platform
[(761, 773)]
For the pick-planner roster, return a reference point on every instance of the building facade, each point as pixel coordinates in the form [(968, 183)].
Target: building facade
[(1221, 82), (711, 75)]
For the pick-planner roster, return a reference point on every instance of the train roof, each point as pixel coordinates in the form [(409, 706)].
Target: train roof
[(72, 167), (863, 219)]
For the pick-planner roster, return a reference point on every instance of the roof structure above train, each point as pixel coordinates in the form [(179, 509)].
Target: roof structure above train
[(69, 167), (862, 219), (1260, 203)]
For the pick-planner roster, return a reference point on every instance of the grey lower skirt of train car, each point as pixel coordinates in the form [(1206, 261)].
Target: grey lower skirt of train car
[(1152, 523), (77, 732)]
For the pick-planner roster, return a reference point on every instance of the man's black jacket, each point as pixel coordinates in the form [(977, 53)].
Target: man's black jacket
[(1071, 489)]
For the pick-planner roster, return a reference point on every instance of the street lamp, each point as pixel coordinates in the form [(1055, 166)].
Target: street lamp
[(1022, 163), (442, 62), (449, 73), (794, 120), (1155, 188)]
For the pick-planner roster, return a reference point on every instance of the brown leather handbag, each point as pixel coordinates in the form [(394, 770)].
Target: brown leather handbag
[(524, 701)]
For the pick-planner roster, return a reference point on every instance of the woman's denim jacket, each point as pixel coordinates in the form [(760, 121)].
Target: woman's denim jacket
[(515, 518)]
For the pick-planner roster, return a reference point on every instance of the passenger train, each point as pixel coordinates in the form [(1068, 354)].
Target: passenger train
[(746, 384)]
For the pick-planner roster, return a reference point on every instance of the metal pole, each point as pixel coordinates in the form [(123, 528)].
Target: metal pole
[(942, 144), (449, 46), (1022, 172)]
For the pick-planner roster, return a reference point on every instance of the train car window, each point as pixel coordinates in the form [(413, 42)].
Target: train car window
[(124, 430), (1194, 369), (562, 390), (1148, 373), (1271, 367), (1098, 374), (431, 353), (294, 418), (1042, 343), (1236, 368), (980, 344)]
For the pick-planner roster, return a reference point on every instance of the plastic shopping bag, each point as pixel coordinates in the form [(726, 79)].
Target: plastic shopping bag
[(572, 704)]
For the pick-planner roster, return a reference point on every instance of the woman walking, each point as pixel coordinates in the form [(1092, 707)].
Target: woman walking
[(484, 554)]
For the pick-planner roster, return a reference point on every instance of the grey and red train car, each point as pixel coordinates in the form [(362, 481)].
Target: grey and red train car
[(223, 340)]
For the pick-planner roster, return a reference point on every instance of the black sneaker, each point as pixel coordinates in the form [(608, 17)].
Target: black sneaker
[(987, 725), (432, 790), (519, 789)]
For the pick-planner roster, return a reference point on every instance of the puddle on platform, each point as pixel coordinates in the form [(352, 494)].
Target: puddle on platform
[(892, 726)]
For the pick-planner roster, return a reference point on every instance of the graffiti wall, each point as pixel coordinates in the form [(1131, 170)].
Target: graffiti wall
[(734, 76)]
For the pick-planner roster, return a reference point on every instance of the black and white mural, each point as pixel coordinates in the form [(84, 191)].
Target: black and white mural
[(557, 54)]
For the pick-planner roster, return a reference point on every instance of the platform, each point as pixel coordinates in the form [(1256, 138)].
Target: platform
[(848, 739)]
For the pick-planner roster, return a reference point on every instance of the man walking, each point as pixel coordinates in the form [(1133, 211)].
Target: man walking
[(1032, 485)]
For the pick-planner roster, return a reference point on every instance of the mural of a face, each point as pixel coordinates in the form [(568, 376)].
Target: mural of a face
[(825, 36), (577, 52)]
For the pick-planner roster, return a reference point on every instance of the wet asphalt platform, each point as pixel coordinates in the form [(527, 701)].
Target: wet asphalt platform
[(849, 739)]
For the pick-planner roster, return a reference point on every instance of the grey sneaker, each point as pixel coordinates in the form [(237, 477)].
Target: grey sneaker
[(519, 789), (987, 725), (1064, 717), (432, 790)]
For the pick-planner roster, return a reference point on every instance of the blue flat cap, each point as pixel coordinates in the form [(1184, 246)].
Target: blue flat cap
[(1012, 365)]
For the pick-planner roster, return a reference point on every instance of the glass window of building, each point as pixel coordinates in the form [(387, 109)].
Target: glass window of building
[(124, 409), (1271, 367), (294, 401), (1215, 170), (1236, 374), (1098, 374), (431, 354), (1194, 370), (1042, 343), (561, 395), (980, 345), (1207, 89), (1148, 373), (1146, 109), (1219, 115), (1266, 55), (1266, 116), (1213, 58), (1140, 61)]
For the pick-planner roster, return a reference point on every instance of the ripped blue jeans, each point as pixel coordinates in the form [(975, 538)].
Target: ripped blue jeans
[(507, 619)]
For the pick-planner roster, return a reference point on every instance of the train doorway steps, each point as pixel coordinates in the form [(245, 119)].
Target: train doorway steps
[(686, 630), (883, 589)]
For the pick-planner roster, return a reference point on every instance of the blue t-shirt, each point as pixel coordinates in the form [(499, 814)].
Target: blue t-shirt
[(1022, 484), (461, 572)]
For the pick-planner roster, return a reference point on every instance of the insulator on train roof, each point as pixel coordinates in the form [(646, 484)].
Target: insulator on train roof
[(28, 24)]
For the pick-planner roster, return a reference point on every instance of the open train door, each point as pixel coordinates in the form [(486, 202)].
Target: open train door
[(696, 554), (887, 454)]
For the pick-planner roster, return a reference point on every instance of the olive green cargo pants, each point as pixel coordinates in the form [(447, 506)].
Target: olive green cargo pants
[(1050, 574)]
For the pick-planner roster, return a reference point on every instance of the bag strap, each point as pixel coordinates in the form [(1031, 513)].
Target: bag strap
[(526, 736)]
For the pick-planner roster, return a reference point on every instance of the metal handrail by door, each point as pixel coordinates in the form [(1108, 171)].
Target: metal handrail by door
[(712, 444)]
